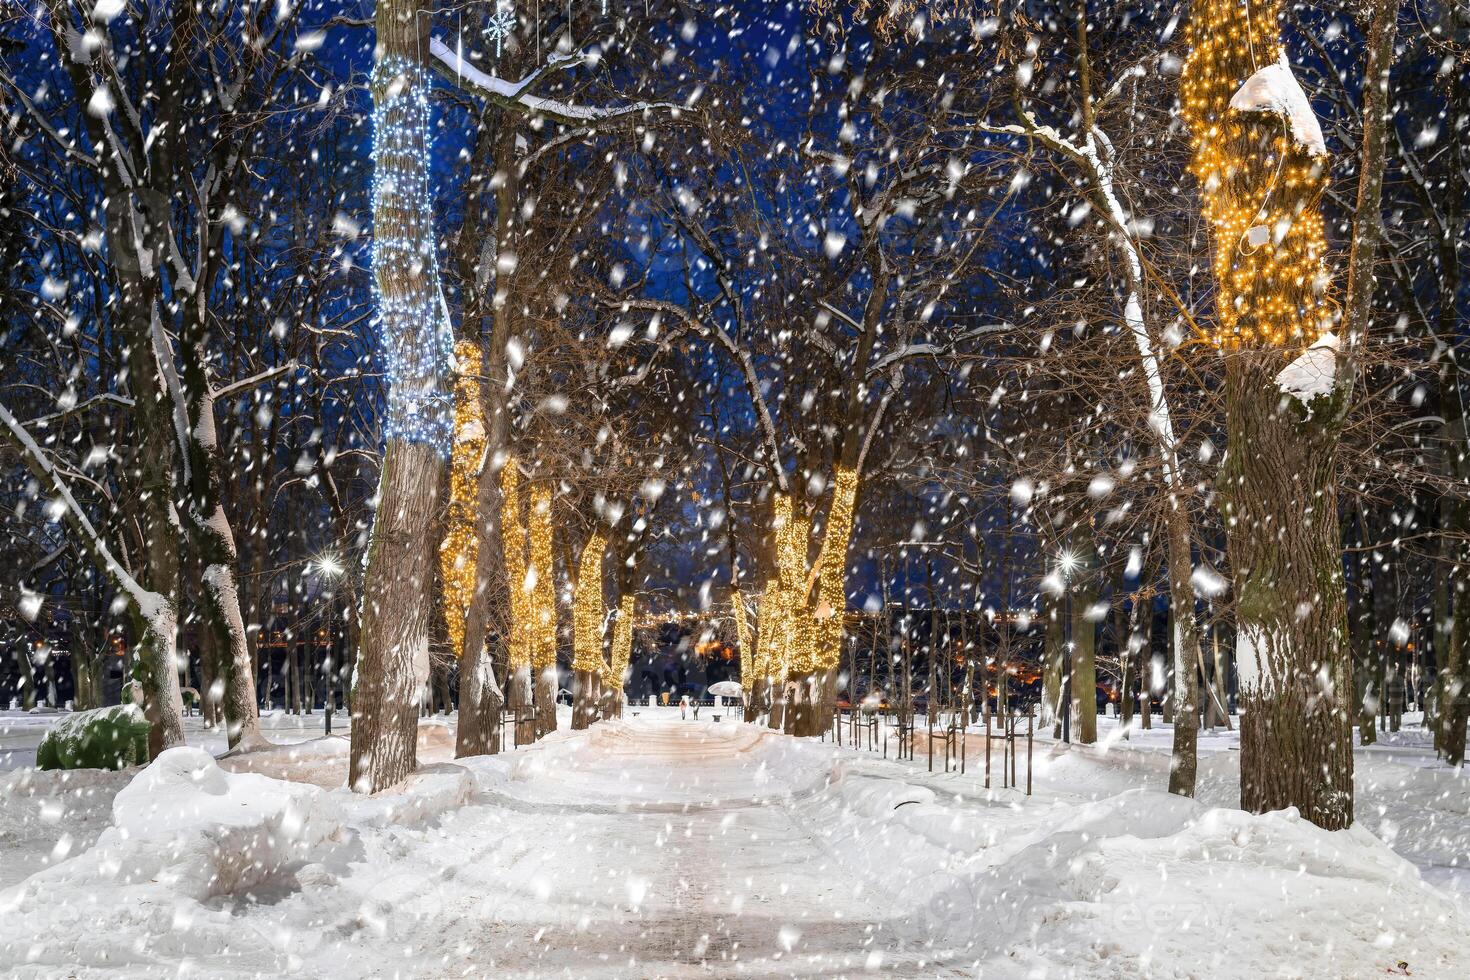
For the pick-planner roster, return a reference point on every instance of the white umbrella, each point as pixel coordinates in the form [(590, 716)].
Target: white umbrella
[(726, 689)]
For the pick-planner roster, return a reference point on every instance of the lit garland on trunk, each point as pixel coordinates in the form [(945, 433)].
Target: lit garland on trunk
[(588, 610), (766, 656), (1263, 175), (459, 552), (412, 320), (622, 645), (742, 639), (832, 567), (800, 654), (513, 533), (1261, 159), (542, 605)]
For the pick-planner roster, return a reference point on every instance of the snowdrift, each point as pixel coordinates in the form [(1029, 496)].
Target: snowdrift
[(183, 832), (1144, 884)]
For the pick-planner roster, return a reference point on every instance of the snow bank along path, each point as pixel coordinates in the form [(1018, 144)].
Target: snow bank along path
[(649, 848)]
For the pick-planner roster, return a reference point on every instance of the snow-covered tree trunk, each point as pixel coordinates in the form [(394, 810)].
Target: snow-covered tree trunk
[(213, 542), (393, 662), (1261, 160), (154, 612), (481, 700)]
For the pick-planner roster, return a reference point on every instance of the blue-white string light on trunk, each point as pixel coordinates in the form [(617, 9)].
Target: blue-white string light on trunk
[(412, 322)]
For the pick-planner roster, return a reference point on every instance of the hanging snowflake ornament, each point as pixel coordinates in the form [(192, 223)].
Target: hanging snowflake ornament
[(500, 25)]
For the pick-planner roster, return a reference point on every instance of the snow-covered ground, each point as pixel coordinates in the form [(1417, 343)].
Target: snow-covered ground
[(21, 731), (660, 847)]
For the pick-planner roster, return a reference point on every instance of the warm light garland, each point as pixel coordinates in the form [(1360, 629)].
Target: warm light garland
[(742, 638), (412, 320), (588, 609), (622, 644), (513, 534), (1262, 181), (542, 606), (800, 652), (459, 551), (766, 658), (832, 567)]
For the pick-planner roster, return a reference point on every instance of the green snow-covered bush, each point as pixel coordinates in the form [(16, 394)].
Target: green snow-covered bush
[(104, 738)]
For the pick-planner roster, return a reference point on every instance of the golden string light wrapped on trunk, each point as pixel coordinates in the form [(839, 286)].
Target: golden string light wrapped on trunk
[(832, 569), (1261, 161), (801, 651), (622, 644), (513, 533), (541, 571), (742, 638), (766, 657), (588, 610), (459, 551)]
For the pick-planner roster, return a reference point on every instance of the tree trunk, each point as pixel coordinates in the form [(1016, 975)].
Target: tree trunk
[(393, 662), (1053, 657), (1280, 501), (584, 704), (523, 706), (1185, 641), (86, 670), (1166, 712), (1452, 612), (1362, 628), (1084, 660), (213, 541), (441, 688), (1222, 680), (1278, 483), (546, 690), (588, 615), (1148, 678), (757, 701), (802, 718), (293, 678), (480, 699), (27, 668)]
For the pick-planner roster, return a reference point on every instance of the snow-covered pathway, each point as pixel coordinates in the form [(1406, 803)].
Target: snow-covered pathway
[(646, 848), (658, 848), (655, 847)]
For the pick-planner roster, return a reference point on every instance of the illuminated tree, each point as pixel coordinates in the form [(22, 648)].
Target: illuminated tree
[(519, 642), (458, 552), (1262, 165), (618, 655), (588, 614), (393, 661)]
